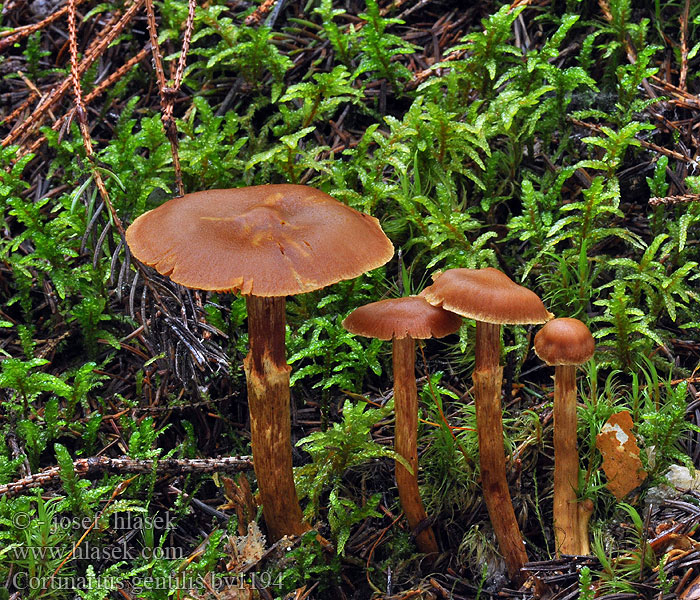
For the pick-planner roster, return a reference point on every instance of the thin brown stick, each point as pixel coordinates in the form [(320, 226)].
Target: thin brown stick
[(256, 17), (12, 36), (375, 545), (644, 144), (605, 9), (168, 92), (155, 48), (675, 199), (684, 45), (666, 151), (100, 88), (21, 108), (95, 467), (681, 95), (187, 37), (421, 76), (82, 115), (443, 418)]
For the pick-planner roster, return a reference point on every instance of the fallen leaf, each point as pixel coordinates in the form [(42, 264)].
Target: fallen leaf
[(621, 462)]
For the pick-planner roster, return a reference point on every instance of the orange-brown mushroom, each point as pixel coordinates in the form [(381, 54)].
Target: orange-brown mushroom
[(404, 320), (264, 242), (492, 299), (566, 343)]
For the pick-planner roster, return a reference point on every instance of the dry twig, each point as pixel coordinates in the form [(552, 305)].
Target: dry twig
[(168, 92), (644, 144), (96, 466), (256, 17), (82, 115), (675, 199), (95, 93), (12, 36), (684, 45)]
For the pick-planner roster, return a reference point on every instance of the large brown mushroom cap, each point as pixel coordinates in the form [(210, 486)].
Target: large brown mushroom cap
[(267, 240), (486, 295), (564, 341), (398, 318)]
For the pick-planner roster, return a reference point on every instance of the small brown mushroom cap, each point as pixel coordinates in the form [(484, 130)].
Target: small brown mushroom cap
[(564, 341), (399, 318), (267, 240), (486, 295)]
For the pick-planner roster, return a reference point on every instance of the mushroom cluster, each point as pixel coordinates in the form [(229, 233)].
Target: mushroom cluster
[(264, 242), (268, 242), (492, 299)]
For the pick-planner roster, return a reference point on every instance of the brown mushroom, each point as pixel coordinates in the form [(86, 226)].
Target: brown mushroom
[(566, 343), (404, 320), (492, 299), (264, 242)]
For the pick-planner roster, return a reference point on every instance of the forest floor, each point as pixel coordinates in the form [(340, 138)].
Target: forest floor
[(557, 141)]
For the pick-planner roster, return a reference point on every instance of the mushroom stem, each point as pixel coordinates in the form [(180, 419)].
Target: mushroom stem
[(488, 377), (488, 346), (405, 441), (267, 376), (585, 510), (566, 512)]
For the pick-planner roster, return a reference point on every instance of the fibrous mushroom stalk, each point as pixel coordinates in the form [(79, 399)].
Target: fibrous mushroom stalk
[(267, 377), (405, 444), (565, 343), (567, 530), (488, 377), (404, 320), (492, 299)]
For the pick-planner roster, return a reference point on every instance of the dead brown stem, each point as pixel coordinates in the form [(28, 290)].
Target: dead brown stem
[(95, 93), (256, 17), (168, 92), (675, 199), (82, 116), (96, 467)]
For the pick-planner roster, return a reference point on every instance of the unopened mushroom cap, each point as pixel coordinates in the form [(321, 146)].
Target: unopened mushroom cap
[(564, 341), (267, 240), (486, 295), (398, 318)]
